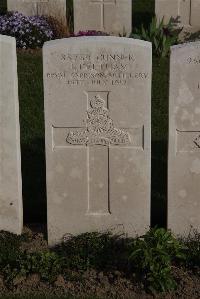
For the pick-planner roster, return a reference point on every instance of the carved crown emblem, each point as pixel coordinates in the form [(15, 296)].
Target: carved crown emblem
[(100, 129)]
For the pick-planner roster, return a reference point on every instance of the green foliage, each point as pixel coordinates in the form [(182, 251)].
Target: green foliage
[(192, 242), (14, 262), (47, 264), (152, 256), (161, 36), (9, 248), (94, 250)]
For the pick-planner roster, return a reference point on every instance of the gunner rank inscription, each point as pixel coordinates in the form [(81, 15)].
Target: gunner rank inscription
[(102, 69), (97, 118)]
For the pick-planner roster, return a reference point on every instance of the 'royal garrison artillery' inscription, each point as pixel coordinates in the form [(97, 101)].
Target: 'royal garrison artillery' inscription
[(100, 129), (98, 145)]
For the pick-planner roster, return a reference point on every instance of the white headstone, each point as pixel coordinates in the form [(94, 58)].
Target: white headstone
[(111, 16), (53, 8), (179, 10), (195, 14), (184, 139), (97, 115), (187, 12), (11, 214)]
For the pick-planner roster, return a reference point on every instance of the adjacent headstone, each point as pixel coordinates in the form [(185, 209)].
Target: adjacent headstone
[(186, 12), (110, 16), (11, 214), (178, 10), (97, 115), (195, 14), (53, 8), (184, 139)]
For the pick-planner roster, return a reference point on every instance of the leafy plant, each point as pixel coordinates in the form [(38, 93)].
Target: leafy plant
[(192, 242), (161, 36), (95, 250), (47, 264), (9, 248), (152, 256)]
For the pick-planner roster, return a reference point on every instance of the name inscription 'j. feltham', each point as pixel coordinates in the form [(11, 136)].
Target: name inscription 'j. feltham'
[(100, 129), (102, 69)]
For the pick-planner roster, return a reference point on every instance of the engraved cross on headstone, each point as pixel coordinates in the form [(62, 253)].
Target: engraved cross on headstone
[(190, 13), (188, 141), (99, 135), (103, 4), (180, 2)]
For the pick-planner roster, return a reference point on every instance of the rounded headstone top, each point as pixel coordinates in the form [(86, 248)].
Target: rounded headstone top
[(96, 39), (7, 39), (194, 45)]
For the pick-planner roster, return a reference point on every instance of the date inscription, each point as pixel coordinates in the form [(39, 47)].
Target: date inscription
[(103, 69)]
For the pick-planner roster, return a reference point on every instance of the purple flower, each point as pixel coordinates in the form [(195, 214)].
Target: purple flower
[(30, 32), (90, 33)]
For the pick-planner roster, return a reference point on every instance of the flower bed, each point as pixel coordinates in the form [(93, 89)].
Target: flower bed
[(30, 32)]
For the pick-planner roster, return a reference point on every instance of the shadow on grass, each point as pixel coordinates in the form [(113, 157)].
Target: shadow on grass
[(3, 6), (159, 184), (143, 11), (160, 99), (100, 251), (34, 181)]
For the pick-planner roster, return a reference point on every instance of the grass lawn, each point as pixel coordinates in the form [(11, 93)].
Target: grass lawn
[(32, 135)]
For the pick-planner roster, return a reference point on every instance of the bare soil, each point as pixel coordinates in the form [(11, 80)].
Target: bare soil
[(93, 283)]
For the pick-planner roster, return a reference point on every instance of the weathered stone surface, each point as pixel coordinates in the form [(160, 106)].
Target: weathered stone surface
[(187, 13), (184, 139), (97, 115), (53, 8), (195, 14), (111, 16), (179, 10), (11, 215)]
